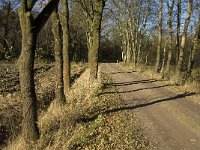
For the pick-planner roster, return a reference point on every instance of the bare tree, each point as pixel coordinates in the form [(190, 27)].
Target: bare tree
[(178, 29), (30, 28), (157, 64), (183, 38), (56, 29), (93, 11), (195, 47), (65, 29), (170, 34)]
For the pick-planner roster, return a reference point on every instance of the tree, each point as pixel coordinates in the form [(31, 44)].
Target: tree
[(170, 34), (178, 30), (56, 29), (8, 23), (30, 28), (65, 29), (194, 49), (183, 38), (93, 12), (157, 64)]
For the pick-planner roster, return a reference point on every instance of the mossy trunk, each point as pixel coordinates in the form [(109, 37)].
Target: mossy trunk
[(30, 131), (56, 29)]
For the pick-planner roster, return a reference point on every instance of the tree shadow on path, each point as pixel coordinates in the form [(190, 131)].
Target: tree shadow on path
[(133, 107), (130, 82), (120, 92), (122, 72)]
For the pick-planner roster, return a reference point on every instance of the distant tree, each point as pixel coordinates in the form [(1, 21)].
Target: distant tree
[(170, 33), (183, 38), (8, 24), (30, 28), (160, 18), (93, 11), (194, 49), (178, 30)]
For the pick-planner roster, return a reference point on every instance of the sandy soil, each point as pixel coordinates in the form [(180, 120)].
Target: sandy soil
[(172, 119)]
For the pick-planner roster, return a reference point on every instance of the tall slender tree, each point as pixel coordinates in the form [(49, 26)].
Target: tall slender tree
[(178, 28), (160, 18), (65, 29), (183, 38), (170, 34), (56, 29)]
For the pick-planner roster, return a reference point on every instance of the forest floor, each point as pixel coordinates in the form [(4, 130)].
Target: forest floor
[(168, 114), (10, 101)]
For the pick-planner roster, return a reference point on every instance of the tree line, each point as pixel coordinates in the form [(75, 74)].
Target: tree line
[(162, 33)]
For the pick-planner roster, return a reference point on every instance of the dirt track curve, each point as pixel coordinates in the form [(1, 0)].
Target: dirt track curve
[(172, 119)]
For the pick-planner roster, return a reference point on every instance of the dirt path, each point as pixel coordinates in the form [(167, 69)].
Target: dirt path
[(172, 119)]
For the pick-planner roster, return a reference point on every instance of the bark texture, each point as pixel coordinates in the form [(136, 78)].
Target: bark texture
[(93, 36), (30, 28), (30, 129), (56, 29), (66, 60)]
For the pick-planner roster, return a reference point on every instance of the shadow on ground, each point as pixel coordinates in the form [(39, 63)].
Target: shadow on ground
[(130, 91), (133, 107)]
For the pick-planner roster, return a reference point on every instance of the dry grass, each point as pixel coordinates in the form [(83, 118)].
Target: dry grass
[(11, 104), (84, 122)]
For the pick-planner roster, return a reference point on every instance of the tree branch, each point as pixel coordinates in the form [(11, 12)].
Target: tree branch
[(30, 4), (45, 14)]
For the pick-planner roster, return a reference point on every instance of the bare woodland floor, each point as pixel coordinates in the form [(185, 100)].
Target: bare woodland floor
[(170, 117)]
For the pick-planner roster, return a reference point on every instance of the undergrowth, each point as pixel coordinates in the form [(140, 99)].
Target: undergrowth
[(87, 121)]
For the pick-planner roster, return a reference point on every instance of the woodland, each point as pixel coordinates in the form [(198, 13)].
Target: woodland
[(50, 57)]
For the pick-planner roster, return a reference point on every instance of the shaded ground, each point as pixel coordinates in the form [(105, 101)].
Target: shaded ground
[(170, 118)]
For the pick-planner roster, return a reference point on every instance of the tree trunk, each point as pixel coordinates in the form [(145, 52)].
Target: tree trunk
[(30, 130), (93, 37), (94, 42), (178, 30), (170, 35), (194, 48), (183, 39), (157, 65), (66, 60), (30, 28), (164, 58), (56, 29)]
